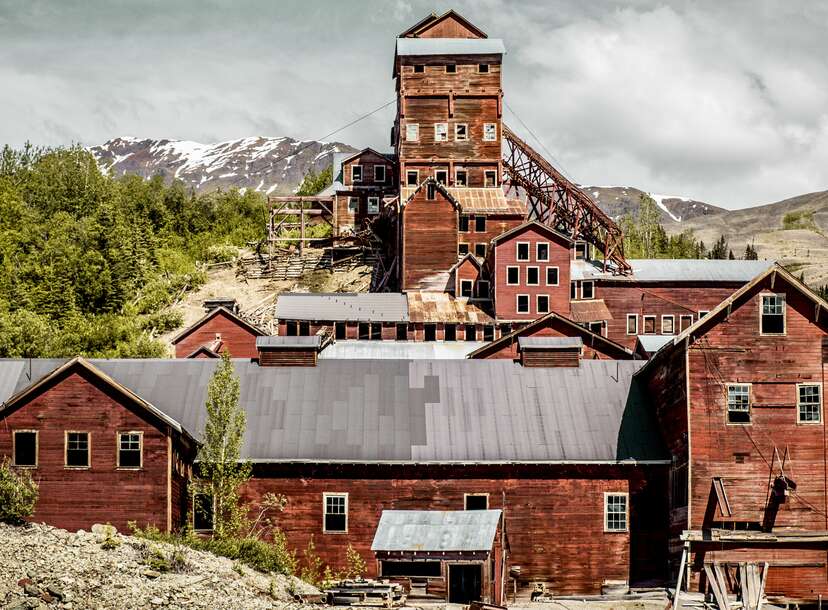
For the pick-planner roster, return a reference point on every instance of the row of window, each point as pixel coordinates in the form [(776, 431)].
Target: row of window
[(372, 331), (449, 68), (77, 446), (668, 323), (379, 173), (587, 289), (541, 303), (523, 248), (461, 177), (532, 276), (373, 205), (441, 132), (479, 249), (808, 403), (465, 222)]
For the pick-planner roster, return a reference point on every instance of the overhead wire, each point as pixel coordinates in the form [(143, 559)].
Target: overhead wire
[(557, 161)]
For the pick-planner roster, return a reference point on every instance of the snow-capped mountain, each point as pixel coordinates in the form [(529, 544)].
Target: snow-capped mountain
[(268, 165), (619, 200)]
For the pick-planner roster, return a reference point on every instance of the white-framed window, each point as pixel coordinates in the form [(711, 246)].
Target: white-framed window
[(522, 250), (542, 251), (130, 449), (480, 250), (773, 314), (685, 322), (461, 177), (483, 68), (632, 323), (203, 512), (542, 303), (522, 302), (479, 224), (581, 250), (649, 325), (373, 205), (616, 512), (466, 288), (532, 276), (379, 173), (587, 289), (552, 276), (483, 289), (335, 513), (702, 313), (463, 223), (475, 501), (24, 450), (353, 205), (441, 132), (461, 132), (356, 173), (490, 177), (489, 132), (441, 176), (597, 327), (412, 177), (462, 249), (738, 403), (412, 132), (668, 325), (809, 403), (76, 452), (512, 276)]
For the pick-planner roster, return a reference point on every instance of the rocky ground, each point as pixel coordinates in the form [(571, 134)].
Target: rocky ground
[(45, 567)]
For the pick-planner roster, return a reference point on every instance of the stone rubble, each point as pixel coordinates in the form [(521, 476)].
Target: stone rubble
[(44, 567)]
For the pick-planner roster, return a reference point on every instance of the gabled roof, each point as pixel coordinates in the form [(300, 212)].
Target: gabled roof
[(343, 306), (209, 316), (409, 193), (204, 349), (359, 153), (424, 531), (530, 223), (589, 338), (467, 256), (543, 343), (432, 19)]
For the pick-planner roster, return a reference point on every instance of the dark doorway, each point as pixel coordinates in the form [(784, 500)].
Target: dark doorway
[(464, 583)]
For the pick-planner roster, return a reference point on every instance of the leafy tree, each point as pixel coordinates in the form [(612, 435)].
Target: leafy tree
[(314, 183), (18, 493), (221, 469)]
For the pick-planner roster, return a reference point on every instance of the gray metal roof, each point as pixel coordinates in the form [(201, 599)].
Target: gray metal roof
[(549, 342), (450, 46), (288, 342), (432, 530), (400, 350), (653, 343), (403, 410), (345, 306), (674, 270)]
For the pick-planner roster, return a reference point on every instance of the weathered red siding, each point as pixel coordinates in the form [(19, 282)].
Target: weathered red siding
[(429, 242), (236, 338)]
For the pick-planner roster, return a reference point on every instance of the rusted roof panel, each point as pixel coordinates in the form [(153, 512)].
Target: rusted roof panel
[(590, 311), (480, 200), (442, 307)]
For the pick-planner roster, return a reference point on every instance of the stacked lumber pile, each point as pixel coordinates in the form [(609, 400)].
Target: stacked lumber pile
[(366, 593)]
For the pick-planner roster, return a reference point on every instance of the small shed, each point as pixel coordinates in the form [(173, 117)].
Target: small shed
[(457, 556)]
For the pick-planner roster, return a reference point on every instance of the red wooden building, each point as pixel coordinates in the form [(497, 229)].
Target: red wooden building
[(219, 331)]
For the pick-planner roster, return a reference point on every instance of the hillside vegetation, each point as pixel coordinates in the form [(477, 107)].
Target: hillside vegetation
[(89, 263)]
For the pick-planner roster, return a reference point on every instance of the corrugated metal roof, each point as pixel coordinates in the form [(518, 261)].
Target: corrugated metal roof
[(480, 200), (288, 342), (589, 311), (404, 410), (653, 343), (428, 306), (344, 306), (450, 46), (674, 270), (432, 530), (549, 342), (400, 350)]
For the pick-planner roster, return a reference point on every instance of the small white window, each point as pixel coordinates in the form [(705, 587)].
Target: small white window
[(77, 450), (412, 177), (632, 324), (649, 325), (542, 251), (523, 250), (466, 288), (588, 290), (373, 205), (440, 132), (130, 446), (809, 403), (668, 325), (523, 303), (552, 276), (461, 177), (356, 173), (490, 178), (461, 132), (703, 312), (480, 250), (773, 314), (512, 276), (379, 173), (581, 250), (489, 132), (543, 303), (738, 403), (335, 506), (462, 249), (615, 512), (441, 176), (532, 276), (353, 204), (412, 132)]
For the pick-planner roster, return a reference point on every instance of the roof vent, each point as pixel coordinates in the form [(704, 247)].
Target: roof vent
[(228, 303), (288, 351), (550, 351)]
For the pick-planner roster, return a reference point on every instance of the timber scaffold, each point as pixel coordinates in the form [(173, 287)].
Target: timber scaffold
[(557, 202)]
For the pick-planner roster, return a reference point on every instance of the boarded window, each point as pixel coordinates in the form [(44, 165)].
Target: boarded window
[(587, 290), (464, 223), (440, 132), (615, 512), (466, 287), (77, 449), (522, 251), (489, 132), (773, 314), (649, 325), (202, 512), (738, 403), (632, 324), (379, 173), (412, 132), (25, 448), (668, 325), (356, 173), (336, 513), (543, 303), (551, 276), (450, 332), (477, 502), (470, 332), (809, 404), (480, 250), (402, 332), (461, 132), (340, 330), (430, 332), (129, 449), (685, 322), (512, 276), (523, 303), (480, 224)]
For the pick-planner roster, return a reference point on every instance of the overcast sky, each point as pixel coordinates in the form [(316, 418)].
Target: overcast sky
[(725, 102)]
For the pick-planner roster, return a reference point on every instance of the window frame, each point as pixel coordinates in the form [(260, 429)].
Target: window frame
[(749, 387), (429, 326), (66, 465), (538, 297), (517, 304), (682, 319), (460, 220), (633, 316), (486, 128), (784, 314), (478, 246), (490, 173), (607, 496), (573, 290), (458, 171), (462, 246), (212, 513), (465, 282), (799, 419), (334, 494), (415, 127), (479, 223), (457, 137), (118, 435), (528, 251), (591, 284), (701, 313), (538, 245), (672, 318), (450, 336), (441, 170), (557, 269), (438, 127), (466, 497), (537, 270), (384, 174), (36, 448), (644, 324), (353, 205), (373, 211), (480, 69), (488, 284), (354, 169), (451, 68), (419, 68), (517, 269)]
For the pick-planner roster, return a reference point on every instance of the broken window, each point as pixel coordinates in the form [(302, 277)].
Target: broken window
[(462, 249), (476, 502), (523, 251), (615, 512), (809, 404), (376, 331), (461, 177), (542, 251), (364, 331), (596, 327), (738, 403), (463, 224), (356, 173), (412, 132), (461, 132), (632, 324), (450, 332), (340, 330), (202, 512), (480, 250), (412, 177), (353, 204), (480, 224), (551, 276), (373, 205), (129, 450), (466, 287), (77, 449), (489, 132), (470, 332), (523, 303), (490, 178), (532, 276), (336, 513), (440, 132), (587, 290), (512, 276), (773, 314), (668, 325), (430, 332), (543, 303), (25, 448)]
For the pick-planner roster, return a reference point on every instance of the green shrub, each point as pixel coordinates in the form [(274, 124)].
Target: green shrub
[(18, 493), (803, 219)]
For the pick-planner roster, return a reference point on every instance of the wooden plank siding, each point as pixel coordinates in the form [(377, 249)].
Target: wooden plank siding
[(236, 338), (429, 241)]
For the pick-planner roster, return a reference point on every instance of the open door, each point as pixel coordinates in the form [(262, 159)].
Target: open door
[(465, 583)]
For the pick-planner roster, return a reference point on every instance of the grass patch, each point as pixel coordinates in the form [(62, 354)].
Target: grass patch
[(803, 219)]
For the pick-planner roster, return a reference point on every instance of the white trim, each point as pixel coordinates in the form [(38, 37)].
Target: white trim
[(373, 209), (485, 248), (443, 170), (416, 173), (701, 313), (353, 205), (762, 297), (626, 497), (325, 496), (438, 127), (537, 269), (673, 319), (557, 275), (457, 172), (591, 283), (528, 245), (486, 71), (538, 244), (634, 316), (489, 127), (493, 173), (818, 385), (14, 448), (66, 465), (517, 303), (415, 128), (685, 317), (538, 297), (384, 174), (644, 325), (458, 138), (118, 435), (471, 289), (749, 387), (489, 291), (508, 283), (355, 167), (481, 217)]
